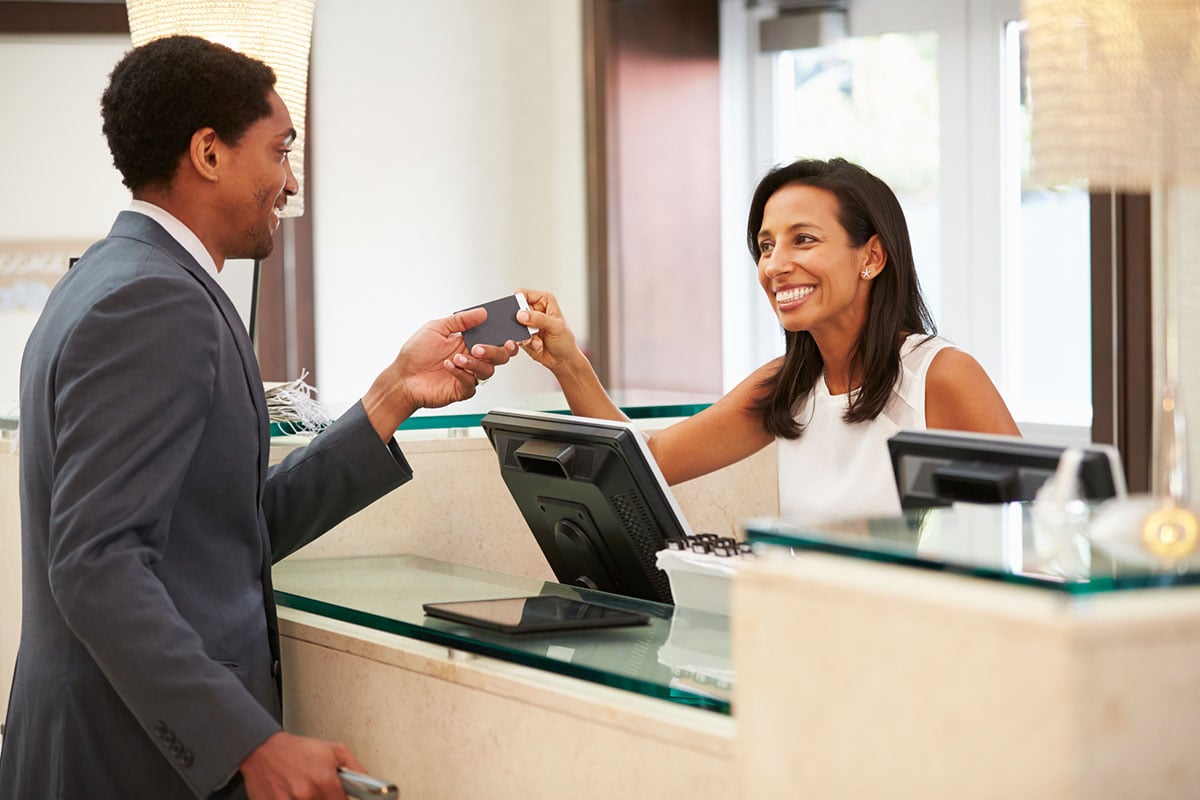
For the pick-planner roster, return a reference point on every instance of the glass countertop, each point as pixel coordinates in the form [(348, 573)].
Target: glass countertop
[(635, 403), (1003, 542), (682, 655)]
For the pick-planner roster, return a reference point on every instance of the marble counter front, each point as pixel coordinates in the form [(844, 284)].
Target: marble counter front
[(894, 674), (458, 509)]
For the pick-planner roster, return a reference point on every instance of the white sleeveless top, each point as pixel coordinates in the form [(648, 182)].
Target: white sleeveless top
[(838, 470)]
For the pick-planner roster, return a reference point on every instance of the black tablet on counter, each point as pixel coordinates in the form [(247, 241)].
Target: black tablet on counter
[(537, 614)]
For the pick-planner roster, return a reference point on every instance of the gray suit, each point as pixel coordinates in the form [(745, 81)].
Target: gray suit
[(148, 664)]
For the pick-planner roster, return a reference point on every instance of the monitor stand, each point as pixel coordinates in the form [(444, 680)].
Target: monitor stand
[(577, 553)]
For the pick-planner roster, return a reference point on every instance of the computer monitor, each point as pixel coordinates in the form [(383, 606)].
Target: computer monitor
[(593, 496), (936, 468)]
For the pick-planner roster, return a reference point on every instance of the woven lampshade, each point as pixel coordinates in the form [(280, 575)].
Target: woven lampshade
[(276, 32), (1115, 87)]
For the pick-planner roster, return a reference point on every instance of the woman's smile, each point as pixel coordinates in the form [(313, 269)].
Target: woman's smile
[(792, 296)]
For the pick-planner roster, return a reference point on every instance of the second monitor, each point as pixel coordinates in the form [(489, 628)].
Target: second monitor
[(592, 495), (936, 468)]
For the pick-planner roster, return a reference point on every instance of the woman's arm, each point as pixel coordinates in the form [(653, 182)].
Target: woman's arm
[(721, 435), (959, 396), (554, 347)]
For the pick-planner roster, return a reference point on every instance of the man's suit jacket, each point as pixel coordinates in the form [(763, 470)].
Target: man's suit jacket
[(148, 662)]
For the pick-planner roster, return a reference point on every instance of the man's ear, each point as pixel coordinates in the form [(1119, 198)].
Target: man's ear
[(204, 153)]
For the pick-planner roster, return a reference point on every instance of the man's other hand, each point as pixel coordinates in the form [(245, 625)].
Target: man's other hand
[(287, 767)]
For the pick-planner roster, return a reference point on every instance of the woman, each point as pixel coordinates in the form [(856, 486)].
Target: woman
[(862, 360)]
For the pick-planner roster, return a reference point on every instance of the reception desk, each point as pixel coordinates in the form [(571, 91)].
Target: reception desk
[(965, 652), (961, 652), (443, 721), (956, 653), (449, 710), (448, 715)]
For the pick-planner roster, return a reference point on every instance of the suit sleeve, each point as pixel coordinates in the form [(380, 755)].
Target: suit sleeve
[(132, 386), (343, 470)]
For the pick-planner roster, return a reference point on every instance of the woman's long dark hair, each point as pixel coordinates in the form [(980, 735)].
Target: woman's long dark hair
[(867, 207)]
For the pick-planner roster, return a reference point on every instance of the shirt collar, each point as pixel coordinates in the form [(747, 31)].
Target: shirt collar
[(179, 232)]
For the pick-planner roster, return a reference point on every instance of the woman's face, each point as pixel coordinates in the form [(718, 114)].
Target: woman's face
[(811, 273)]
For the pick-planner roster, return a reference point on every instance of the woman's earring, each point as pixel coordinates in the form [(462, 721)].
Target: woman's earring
[(866, 273)]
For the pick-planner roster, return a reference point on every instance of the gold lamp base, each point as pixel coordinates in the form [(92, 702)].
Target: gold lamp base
[(1171, 531), (1146, 530)]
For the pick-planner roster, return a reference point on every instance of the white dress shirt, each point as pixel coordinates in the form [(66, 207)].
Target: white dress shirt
[(179, 232)]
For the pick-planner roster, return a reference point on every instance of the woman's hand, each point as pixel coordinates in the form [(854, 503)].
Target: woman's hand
[(553, 346)]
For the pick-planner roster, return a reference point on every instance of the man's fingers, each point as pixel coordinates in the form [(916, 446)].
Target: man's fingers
[(345, 758), (494, 355), (460, 372), (479, 369), (462, 320)]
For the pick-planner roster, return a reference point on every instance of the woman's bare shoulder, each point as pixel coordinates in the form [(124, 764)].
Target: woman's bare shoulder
[(959, 395)]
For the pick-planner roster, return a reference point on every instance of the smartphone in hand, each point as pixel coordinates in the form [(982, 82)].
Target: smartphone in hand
[(365, 787), (501, 324)]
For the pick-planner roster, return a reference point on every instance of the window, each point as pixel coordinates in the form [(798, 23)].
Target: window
[(876, 101), (1047, 320), (933, 99)]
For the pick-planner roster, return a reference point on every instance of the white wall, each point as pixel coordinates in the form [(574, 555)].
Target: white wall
[(56, 175), (448, 169), (59, 191), (57, 182)]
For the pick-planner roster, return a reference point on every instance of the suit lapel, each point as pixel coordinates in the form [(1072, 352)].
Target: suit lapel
[(140, 227)]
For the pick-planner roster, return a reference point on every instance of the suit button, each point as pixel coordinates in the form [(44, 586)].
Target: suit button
[(185, 758)]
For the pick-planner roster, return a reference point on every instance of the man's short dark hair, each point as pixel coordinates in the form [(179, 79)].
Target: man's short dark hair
[(161, 93)]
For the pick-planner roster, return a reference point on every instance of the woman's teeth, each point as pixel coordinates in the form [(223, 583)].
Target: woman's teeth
[(792, 295)]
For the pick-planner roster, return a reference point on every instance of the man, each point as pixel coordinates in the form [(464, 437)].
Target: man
[(148, 664)]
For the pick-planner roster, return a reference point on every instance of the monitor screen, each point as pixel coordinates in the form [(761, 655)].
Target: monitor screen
[(592, 495), (936, 468)]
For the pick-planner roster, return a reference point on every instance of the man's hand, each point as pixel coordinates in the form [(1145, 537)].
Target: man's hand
[(432, 370), (287, 767), (435, 366)]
